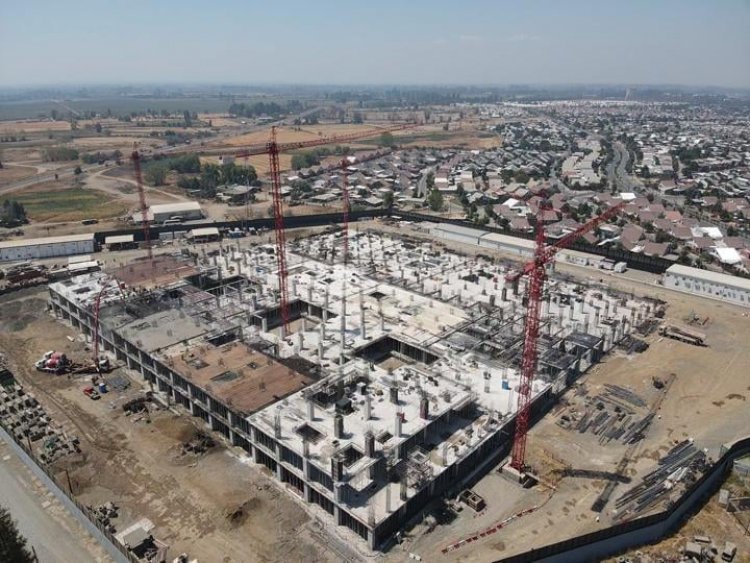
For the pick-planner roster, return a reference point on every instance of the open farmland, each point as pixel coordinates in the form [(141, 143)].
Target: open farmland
[(48, 203), (12, 173), (23, 126), (304, 133)]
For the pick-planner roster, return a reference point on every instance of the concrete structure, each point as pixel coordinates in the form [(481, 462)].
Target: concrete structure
[(47, 247), (398, 380), (186, 210), (704, 283)]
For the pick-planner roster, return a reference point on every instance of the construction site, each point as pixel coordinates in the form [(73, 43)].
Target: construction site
[(384, 380), (395, 379)]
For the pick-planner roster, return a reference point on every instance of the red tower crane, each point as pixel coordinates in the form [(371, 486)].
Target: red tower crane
[(97, 307), (136, 158), (273, 149), (535, 269)]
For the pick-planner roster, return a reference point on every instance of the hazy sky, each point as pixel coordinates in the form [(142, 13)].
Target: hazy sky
[(703, 42)]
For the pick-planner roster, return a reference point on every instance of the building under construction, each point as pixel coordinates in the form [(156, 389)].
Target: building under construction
[(397, 380)]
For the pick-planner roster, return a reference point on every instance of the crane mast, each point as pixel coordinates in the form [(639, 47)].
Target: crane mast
[(136, 158), (278, 214), (536, 270)]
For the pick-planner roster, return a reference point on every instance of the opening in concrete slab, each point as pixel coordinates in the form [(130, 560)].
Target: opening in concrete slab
[(387, 347)]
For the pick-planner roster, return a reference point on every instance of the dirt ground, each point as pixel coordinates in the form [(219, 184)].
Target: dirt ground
[(216, 507), (11, 173)]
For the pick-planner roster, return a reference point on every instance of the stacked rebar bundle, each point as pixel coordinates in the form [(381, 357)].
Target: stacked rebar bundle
[(679, 464)]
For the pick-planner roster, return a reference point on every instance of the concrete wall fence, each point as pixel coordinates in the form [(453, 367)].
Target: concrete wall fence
[(649, 529)]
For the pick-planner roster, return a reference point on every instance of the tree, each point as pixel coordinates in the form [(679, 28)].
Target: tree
[(430, 180), (12, 213), (435, 200), (387, 140), (388, 200), (357, 117), (210, 176), (77, 171), (156, 174), (98, 127), (12, 543), (188, 118)]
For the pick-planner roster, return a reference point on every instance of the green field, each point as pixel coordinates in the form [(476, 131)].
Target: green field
[(70, 204)]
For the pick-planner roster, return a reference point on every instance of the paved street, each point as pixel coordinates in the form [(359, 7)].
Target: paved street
[(49, 528)]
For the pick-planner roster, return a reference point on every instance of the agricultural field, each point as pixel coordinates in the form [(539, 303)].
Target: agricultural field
[(53, 202), (21, 127), (11, 173), (303, 133)]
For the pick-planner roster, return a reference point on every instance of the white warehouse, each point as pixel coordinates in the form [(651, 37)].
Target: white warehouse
[(186, 210), (714, 285), (47, 247)]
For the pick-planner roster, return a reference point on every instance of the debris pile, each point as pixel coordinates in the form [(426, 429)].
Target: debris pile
[(137, 405), (105, 514), (198, 444)]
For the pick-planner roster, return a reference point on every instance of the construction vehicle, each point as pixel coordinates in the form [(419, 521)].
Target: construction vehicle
[(91, 393), (53, 362), (683, 334), (103, 366)]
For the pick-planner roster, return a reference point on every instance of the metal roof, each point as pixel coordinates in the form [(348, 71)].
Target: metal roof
[(46, 240), (118, 239), (204, 232), (175, 207), (706, 275)]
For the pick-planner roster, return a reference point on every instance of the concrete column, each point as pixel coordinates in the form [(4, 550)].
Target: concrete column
[(264, 324), (343, 327), (368, 408)]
